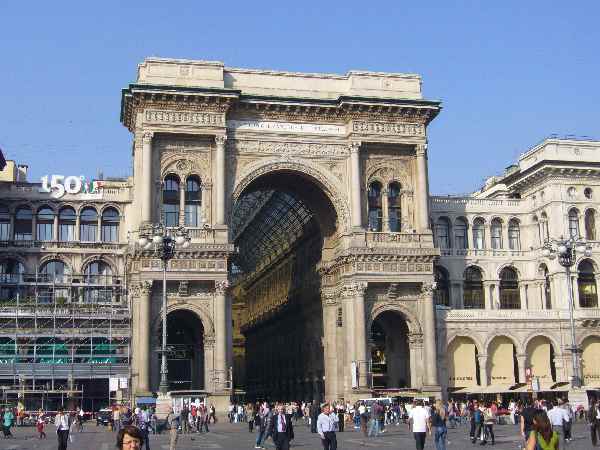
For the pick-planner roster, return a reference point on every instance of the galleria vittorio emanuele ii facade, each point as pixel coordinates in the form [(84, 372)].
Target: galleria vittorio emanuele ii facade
[(319, 266)]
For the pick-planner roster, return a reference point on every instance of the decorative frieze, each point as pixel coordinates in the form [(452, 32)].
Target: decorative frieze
[(155, 264), (306, 149), (205, 119), (286, 127), (391, 129)]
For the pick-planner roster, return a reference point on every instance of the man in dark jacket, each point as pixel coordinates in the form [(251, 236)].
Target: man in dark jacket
[(594, 420), (282, 429), (314, 415)]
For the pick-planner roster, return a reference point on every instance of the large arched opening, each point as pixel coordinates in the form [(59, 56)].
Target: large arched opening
[(185, 342), (284, 224), (390, 351)]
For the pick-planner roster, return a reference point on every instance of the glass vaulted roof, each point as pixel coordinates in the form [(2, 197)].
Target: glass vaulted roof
[(265, 223)]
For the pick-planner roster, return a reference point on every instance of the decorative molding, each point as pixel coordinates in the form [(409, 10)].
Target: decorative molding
[(220, 140), (286, 127), (427, 288), (204, 119), (141, 288), (147, 137), (388, 128), (354, 146), (305, 149), (352, 290), (221, 286)]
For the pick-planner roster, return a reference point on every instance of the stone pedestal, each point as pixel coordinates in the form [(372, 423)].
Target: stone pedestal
[(164, 402)]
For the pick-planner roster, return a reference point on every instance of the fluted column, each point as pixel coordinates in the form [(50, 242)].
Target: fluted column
[(355, 184), (182, 203), (221, 333), (429, 330), (146, 178), (357, 290), (144, 293), (423, 188), (483, 375), (330, 304), (220, 178)]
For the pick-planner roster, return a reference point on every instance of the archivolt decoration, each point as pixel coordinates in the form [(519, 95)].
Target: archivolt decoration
[(470, 334), (184, 165), (388, 171), (325, 180), (201, 313), (414, 326), (109, 261)]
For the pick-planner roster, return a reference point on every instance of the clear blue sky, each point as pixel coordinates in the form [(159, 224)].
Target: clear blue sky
[(509, 73)]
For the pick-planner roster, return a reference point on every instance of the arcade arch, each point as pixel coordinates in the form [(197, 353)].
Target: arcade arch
[(590, 361), (390, 351), (463, 363)]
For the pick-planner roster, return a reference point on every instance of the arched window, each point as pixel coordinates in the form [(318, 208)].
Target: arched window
[(509, 289), (442, 232), (460, 233), (544, 227), (574, 223), (442, 289), (110, 225), (55, 271), (478, 234), (98, 279), (586, 283), (394, 207), (67, 220), (11, 271), (375, 211), (4, 223), (170, 195), (45, 224), (23, 224), (88, 225), (587, 192), (496, 234), (590, 225), (514, 235), (473, 296), (193, 201), (547, 286)]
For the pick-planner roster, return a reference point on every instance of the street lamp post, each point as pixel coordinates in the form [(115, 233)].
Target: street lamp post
[(163, 241), (566, 250)]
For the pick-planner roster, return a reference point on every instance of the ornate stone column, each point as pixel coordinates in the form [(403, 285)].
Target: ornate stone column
[(422, 188), (483, 374), (220, 185), (429, 330), (357, 290), (521, 361), (355, 184), (415, 347), (221, 333), (384, 209), (143, 290), (330, 304), (146, 178), (182, 203)]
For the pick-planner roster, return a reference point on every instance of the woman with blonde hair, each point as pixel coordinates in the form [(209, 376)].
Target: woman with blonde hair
[(438, 423)]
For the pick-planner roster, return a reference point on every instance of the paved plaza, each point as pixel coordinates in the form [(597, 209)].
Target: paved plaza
[(237, 437)]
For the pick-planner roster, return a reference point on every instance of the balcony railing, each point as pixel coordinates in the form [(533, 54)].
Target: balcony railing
[(488, 252), (516, 314), (403, 239), (468, 204), (61, 244)]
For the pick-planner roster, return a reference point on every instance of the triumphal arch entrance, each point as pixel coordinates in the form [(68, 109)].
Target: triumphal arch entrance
[(310, 273)]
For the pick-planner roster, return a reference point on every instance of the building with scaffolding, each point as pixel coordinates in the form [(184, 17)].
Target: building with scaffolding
[(64, 314)]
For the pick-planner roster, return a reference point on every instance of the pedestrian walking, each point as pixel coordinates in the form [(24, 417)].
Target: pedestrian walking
[(282, 429), (593, 416), (542, 436), (314, 414), (62, 422), (7, 422), (40, 425), (558, 417), (340, 413), (489, 420), (130, 438), (327, 423), (173, 422), (418, 422), (143, 421), (212, 414), (438, 425), (185, 412)]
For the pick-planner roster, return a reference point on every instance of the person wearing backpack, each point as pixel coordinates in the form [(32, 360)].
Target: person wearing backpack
[(542, 437)]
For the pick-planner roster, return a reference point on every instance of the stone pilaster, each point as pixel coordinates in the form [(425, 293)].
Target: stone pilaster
[(355, 184), (146, 178), (330, 304), (429, 329), (422, 188), (220, 184), (483, 372), (221, 334), (143, 292)]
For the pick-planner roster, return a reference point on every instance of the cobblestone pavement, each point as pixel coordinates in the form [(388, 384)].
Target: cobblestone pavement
[(237, 437)]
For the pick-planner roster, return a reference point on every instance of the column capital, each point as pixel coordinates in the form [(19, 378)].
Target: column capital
[(221, 286), (220, 139), (330, 297), (428, 287), (147, 136), (421, 149), (354, 146), (141, 288), (354, 289)]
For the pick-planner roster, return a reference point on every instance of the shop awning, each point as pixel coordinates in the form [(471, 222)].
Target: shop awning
[(145, 400)]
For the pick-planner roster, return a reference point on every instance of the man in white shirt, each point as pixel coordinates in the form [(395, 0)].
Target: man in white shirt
[(418, 421), (326, 426), (558, 416), (63, 424)]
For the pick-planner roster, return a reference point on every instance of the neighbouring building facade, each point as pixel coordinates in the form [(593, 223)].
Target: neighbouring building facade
[(317, 255)]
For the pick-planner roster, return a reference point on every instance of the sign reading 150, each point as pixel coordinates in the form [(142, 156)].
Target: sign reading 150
[(60, 185)]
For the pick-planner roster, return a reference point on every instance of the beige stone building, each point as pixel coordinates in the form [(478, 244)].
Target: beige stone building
[(317, 256)]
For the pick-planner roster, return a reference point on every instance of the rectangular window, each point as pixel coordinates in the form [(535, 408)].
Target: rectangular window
[(110, 232), (44, 231), (4, 231), (88, 232), (171, 215), (66, 232), (192, 215)]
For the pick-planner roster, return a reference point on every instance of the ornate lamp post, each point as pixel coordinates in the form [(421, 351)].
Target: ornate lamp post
[(164, 242), (566, 250)]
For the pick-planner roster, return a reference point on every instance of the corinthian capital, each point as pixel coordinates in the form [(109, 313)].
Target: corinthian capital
[(427, 288), (421, 150), (354, 289), (221, 286), (141, 288), (147, 137), (354, 146), (220, 139)]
